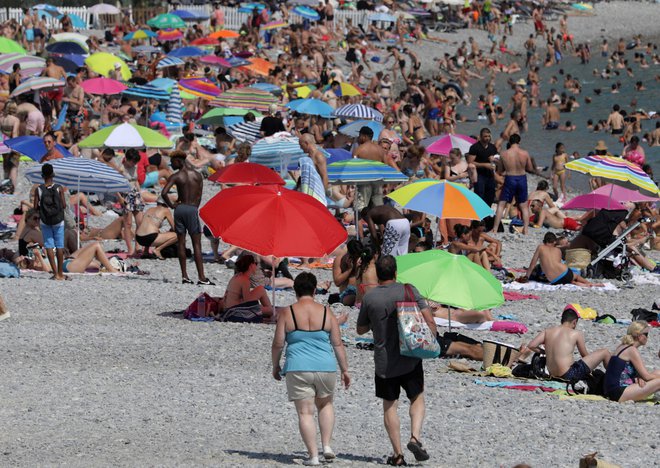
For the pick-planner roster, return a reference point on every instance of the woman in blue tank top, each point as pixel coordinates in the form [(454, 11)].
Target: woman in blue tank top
[(626, 370), (313, 348)]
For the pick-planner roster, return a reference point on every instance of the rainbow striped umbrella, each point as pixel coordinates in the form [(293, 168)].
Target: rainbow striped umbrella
[(30, 65), (443, 199), (140, 34), (274, 25), (165, 35), (200, 87), (245, 98), (38, 83), (611, 167)]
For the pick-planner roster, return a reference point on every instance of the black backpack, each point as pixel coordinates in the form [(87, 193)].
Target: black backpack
[(51, 209), (593, 384)]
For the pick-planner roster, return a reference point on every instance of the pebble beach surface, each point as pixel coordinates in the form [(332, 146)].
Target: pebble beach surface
[(104, 371), (101, 371)]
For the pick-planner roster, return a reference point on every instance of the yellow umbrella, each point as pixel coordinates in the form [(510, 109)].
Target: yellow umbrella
[(103, 63)]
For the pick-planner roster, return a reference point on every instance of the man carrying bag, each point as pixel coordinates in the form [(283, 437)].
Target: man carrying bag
[(394, 371)]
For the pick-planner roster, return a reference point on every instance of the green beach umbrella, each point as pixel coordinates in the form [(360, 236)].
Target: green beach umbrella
[(7, 46), (216, 116), (126, 136), (450, 279), (166, 21)]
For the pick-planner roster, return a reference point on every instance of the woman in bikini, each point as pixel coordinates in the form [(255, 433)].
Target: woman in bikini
[(366, 273), (458, 170), (90, 256), (148, 233), (559, 161)]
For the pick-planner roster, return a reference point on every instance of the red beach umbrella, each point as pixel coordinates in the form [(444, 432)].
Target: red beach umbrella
[(272, 220), (247, 173)]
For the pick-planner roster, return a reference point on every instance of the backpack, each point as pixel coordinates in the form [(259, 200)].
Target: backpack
[(592, 385), (51, 210), (644, 314)]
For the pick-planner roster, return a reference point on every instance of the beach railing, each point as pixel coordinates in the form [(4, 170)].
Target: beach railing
[(51, 21)]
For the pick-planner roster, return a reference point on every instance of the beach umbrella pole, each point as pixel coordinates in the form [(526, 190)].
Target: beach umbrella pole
[(355, 214), (449, 318), (78, 223)]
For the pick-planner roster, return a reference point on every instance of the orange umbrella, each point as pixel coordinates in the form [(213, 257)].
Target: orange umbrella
[(259, 66), (224, 33)]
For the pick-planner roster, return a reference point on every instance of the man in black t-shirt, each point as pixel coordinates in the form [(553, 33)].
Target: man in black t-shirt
[(481, 155), (271, 124)]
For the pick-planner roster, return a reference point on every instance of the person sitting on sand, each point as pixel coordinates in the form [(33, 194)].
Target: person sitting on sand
[(560, 343), (479, 238), (626, 378), (541, 194), (549, 255), (148, 232), (240, 294), (462, 245)]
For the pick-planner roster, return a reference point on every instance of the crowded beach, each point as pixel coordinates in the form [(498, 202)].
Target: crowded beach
[(233, 234)]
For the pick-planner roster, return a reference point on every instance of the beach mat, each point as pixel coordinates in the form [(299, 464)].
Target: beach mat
[(496, 325), (536, 286)]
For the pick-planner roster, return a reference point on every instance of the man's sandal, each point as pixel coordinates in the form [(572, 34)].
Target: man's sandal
[(396, 460), (415, 446)]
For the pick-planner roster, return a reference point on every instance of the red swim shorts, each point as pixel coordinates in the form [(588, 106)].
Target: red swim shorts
[(571, 224)]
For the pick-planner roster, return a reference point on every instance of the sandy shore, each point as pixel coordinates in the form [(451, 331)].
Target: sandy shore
[(99, 371)]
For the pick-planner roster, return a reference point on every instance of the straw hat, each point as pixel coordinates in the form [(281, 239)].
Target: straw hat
[(521, 82), (601, 146)]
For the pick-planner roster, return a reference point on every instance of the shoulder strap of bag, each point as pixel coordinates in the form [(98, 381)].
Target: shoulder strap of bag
[(409, 295)]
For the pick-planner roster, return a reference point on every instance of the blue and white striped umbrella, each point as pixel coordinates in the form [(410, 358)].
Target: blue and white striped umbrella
[(85, 175), (353, 129), (358, 111), (278, 152), (174, 106), (384, 17), (170, 62), (148, 91), (245, 131), (306, 12)]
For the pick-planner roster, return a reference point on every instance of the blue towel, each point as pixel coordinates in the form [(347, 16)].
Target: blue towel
[(62, 117), (310, 180)]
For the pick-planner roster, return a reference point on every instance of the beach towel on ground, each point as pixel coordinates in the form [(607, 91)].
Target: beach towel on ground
[(9, 270), (536, 286), (516, 296), (497, 325), (310, 180)]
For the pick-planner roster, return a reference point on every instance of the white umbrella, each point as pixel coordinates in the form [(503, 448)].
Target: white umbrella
[(104, 9)]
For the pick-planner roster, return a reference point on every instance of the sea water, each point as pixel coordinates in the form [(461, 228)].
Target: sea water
[(541, 143)]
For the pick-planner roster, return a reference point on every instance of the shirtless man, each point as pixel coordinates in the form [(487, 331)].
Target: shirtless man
[(514, 162), (511, 128), (368, 149), (308, 145), (556, 219), (54, 71), (186, 213), (615, 121), (549, 255), (560, 343), (389, 229), (551, 116), (344, 271)]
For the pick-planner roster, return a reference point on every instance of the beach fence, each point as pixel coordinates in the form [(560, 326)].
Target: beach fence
[(234, 19)]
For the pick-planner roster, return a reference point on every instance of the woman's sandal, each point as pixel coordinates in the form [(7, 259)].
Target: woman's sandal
[(396, 460), (417, 450)]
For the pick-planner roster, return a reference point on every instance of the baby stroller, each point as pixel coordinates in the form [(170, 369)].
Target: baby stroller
[(609, 253)]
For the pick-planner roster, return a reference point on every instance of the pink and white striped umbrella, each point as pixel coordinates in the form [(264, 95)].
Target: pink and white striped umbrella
[(30, 64), (446, 143)]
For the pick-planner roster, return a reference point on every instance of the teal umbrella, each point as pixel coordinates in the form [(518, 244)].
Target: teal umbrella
[(450, 279), (166, 21)]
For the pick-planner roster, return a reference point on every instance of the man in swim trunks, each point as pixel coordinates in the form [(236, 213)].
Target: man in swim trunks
[(514, 162), (551, 117), (615, 121), (186, 213), (557, 220), (389, 229), (549, 255), (560, 343)]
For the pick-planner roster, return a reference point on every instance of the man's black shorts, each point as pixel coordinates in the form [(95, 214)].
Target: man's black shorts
[(390, 388)]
